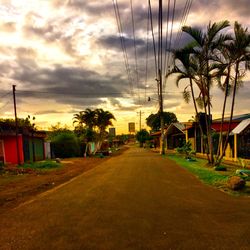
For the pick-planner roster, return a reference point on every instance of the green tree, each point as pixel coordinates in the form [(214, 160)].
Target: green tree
[(237, 60), (86, 118), (205, 46), (142, 136), (90, 125), (65, 144), (154, 120), (103, 119)]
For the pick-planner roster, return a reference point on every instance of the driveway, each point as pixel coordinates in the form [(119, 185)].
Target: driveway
[(137, 200)]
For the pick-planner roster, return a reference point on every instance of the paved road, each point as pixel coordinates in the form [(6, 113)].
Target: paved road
[(135, 201)]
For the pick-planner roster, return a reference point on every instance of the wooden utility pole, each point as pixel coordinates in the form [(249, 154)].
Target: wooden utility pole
[(162, 151), (140, 113), (16, 123)]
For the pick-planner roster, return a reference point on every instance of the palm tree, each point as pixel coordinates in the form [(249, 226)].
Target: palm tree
[(206, 44), (86, 121), (103, 120), (186, 66), (86, 117), (239, 62)]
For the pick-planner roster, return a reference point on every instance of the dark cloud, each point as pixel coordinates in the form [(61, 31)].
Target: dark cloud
[(45, 112), (114, 42), (69, 85), (92, 7)]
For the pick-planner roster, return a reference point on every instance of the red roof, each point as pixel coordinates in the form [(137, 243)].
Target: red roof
[(216, 126)]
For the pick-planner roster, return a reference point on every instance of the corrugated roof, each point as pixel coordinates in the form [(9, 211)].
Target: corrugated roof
[(236, 117), (244, 124), (178, 125)]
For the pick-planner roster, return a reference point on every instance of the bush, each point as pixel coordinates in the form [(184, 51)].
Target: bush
[(66, 145), (220, 168), (186, 149)]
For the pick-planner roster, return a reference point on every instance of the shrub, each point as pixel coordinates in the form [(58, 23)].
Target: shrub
[(186, 149), (220, 168), (66, 145)]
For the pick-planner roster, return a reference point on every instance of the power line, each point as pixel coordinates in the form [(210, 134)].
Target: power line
[(183, 21), (169, 46), (80, 93), (153, 38), (135, 51), (122, 40), (4, 95), (146, 66), (166, 44), (5, 105), (171, 34)]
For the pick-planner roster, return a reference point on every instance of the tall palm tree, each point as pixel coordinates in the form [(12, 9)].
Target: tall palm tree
[(186, 66), (206, 44), (103, 120), (239, 54), (86, 117)]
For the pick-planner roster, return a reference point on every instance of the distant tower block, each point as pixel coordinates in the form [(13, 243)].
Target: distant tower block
[(131, 127), (112, 132)]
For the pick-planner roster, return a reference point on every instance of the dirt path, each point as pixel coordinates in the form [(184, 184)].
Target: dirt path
[(134, 201), (16, 189)]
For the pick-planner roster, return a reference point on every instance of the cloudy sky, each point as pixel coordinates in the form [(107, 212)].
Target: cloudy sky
[(65, 56)]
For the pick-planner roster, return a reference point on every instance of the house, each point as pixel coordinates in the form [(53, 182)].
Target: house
[(239, 139), (30, 146), (175, 135)]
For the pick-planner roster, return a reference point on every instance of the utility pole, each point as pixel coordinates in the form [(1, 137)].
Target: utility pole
[(162, 151), (140, 113), (16, 122)]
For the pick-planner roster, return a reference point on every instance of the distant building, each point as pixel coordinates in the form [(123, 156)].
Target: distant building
[(131, 127), (30, 144), (112, 132)]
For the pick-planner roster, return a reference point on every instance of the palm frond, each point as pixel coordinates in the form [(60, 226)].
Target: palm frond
[(195, 33), (213, 30), (186, 95), (199, 102), (179, 78)]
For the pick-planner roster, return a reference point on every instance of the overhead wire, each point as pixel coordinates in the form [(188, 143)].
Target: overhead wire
[(166, 41), (171, 34), (169, 46), (7, 103), (153, 38), (123, 46), (6, 94), (183, 21), (135, 51), (146, 66)]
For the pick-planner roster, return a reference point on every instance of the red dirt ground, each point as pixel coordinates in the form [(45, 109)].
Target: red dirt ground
[(18, 188)]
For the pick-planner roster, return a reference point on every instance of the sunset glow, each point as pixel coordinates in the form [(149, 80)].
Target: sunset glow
[(65, 56)]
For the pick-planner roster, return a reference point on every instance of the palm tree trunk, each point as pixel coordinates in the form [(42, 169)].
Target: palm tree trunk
[(231, 112), (196, 110), (206, 121), (222, 118)]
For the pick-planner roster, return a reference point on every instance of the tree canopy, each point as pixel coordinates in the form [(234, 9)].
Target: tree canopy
[(154, 121)]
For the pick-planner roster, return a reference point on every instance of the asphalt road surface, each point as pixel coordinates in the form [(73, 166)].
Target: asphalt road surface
[(137, 200)]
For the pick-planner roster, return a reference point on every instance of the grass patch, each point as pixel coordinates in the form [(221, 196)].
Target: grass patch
[(198, 168), (48, 164)]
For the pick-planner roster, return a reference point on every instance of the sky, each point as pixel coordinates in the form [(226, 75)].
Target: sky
[(65, 56)]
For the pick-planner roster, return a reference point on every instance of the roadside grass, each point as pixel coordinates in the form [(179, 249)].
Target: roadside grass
[(209, 176), (199, 169), (42, 165)]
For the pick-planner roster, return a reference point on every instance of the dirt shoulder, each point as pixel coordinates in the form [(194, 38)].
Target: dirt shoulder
[(18, 188)]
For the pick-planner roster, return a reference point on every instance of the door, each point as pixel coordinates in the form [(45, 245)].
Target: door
[(2, 160)]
